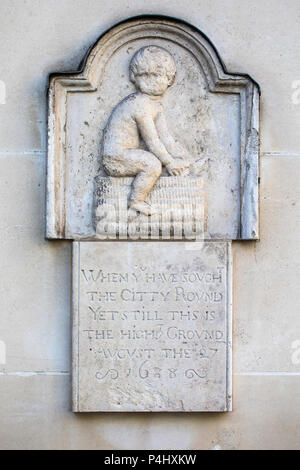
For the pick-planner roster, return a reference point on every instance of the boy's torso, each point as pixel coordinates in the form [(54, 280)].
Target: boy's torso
[(121, 131)]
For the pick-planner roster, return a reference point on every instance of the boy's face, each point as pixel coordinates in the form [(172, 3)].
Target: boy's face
[(152, 83)]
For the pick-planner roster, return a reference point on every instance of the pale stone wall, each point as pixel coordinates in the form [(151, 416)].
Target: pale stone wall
[(259, 37)]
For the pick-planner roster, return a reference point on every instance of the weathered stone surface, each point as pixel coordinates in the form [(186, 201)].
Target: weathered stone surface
[(211, 113), (35, 273), (54, 35), (35, 414), (266, 280), (151, 326), (61, 35)]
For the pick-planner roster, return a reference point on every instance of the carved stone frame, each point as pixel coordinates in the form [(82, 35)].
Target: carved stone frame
[(219, 80)]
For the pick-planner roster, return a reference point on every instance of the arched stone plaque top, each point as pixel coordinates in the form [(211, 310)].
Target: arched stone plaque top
[(212, 113)]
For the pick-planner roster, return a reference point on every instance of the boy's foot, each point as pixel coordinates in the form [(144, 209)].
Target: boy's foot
[(142, 207)]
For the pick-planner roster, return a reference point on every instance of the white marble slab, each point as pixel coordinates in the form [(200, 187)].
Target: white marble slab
[(151, 326)]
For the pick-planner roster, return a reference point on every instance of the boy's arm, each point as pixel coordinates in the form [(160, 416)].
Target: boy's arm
[(150, 136), (175, 149)]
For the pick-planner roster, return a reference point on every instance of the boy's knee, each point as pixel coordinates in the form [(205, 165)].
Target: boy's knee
[(154, 167), (158, 168)]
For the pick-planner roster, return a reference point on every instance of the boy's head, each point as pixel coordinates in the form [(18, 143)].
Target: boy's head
[(152, 69)]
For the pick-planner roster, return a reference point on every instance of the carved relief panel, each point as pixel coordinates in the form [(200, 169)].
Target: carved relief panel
[(152, 124)]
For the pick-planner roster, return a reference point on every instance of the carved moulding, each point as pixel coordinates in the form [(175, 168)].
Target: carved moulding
[(222, 126)]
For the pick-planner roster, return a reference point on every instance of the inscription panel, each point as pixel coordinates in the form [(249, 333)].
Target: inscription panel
[(151, 326)]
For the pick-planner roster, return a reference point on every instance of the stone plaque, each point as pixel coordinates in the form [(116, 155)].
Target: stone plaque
[(153, 153), (153, 119), (151, 326)]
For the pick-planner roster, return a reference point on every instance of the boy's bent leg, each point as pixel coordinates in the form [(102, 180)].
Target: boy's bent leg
[(145, 167), (150, 169)]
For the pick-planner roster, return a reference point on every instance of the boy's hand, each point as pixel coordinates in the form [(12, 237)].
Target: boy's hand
[(175, 168)]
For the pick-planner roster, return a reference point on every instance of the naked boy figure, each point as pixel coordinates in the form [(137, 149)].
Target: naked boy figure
[(152, 70)]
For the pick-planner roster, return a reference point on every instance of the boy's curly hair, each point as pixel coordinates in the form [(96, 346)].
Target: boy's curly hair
[(151, 59)]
